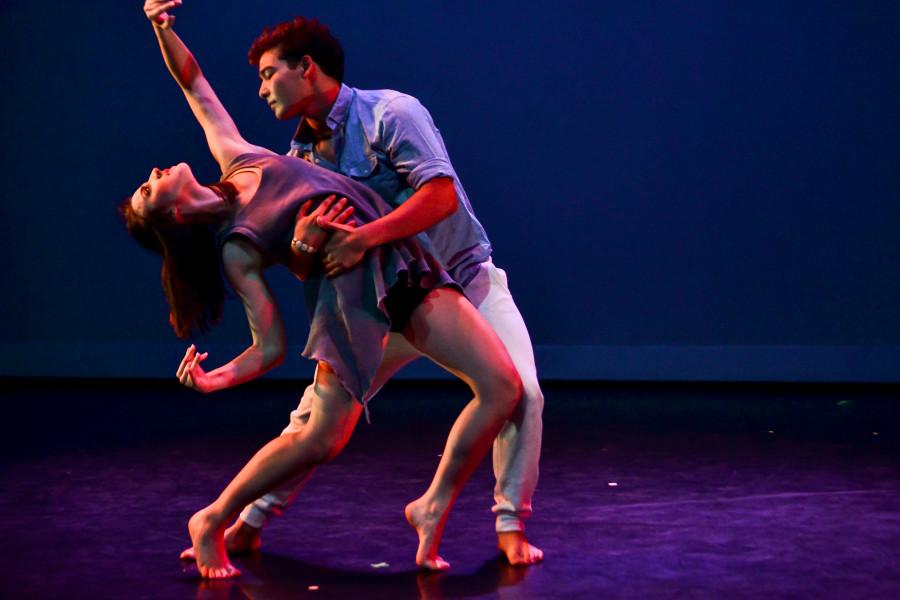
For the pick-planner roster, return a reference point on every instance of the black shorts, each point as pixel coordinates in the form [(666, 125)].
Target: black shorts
[(402, 299)]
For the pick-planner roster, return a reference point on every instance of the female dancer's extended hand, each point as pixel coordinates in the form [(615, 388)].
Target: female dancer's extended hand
[(191, 374), (156, 11)]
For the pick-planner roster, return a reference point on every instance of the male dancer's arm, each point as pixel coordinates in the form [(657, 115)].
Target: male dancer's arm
[(412, 145), (428, 206)]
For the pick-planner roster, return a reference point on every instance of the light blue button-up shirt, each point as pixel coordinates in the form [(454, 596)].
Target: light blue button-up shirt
[(388, 141)]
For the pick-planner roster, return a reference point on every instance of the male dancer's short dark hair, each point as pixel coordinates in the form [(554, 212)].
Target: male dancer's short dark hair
[(300, 37)]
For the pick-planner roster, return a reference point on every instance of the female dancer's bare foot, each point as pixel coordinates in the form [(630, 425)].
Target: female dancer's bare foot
[(240, 538), (428, 521), (517, 550), (209, 548)]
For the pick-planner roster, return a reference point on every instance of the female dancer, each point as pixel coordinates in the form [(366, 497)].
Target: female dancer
[(260, 213)]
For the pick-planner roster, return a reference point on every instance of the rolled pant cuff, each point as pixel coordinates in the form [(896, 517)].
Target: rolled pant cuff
[(254, 517), (508, 523)]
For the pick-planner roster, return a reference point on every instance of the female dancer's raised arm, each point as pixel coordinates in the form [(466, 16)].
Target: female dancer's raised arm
[(244, 224), (222, 135)]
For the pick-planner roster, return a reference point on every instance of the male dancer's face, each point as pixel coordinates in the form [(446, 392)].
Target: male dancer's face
[(286, 90)]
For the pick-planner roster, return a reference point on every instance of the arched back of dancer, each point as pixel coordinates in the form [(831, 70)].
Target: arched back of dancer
[(388, 141), (265, 211)]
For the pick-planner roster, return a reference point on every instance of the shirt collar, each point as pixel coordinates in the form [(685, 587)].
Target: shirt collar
[(337, 116)]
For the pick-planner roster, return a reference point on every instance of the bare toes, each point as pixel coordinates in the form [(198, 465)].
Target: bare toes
[(435, 564), (230, 572)]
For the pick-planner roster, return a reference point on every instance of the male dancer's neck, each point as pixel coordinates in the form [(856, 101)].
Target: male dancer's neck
[(318, 122)]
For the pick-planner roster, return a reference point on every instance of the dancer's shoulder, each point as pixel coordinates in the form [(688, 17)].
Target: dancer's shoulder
[(380, 101)]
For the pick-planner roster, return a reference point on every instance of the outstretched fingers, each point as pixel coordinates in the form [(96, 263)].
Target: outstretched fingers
[(198, 358), (305, 208), (323, 206), (189, 363), (334, 209), (185, 362), (344, 216), (334, 225)]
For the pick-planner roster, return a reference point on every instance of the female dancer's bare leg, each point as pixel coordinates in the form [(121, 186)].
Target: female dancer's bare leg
[(241, 538), (331, 423), (450, 331)]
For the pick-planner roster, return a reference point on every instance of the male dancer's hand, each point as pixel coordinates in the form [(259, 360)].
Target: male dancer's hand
[(307, 228), (156, 11), (191, 374), (344, 250)]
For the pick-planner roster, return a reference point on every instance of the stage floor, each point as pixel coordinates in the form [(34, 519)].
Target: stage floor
[(646, 491)]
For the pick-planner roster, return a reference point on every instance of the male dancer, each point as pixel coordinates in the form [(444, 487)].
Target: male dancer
[(388, 141)]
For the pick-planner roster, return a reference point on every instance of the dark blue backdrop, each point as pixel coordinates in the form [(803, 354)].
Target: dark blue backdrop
[(701, 191)]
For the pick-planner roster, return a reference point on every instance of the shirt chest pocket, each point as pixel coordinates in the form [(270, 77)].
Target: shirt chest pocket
[(387, 183), (359, 167)]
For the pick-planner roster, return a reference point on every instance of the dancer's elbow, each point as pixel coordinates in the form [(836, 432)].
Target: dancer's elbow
[(446, 192), (275, 359), (272, 355)]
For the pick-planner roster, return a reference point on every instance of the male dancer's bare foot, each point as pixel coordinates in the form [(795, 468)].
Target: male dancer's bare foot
[(240, 538), (429, 525), (209, 548), (517, 550)]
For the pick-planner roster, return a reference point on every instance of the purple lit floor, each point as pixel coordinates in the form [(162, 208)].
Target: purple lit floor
[(721, 491)]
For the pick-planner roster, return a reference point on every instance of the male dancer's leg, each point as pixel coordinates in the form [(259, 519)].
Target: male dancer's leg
[(517, 448)]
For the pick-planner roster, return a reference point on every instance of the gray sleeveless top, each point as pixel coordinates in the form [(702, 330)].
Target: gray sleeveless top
[(348, 320)]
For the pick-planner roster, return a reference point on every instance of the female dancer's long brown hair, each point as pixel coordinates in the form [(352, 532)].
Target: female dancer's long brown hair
[(191, 271)]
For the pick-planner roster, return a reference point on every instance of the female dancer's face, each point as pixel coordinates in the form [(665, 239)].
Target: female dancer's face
[(164, 192)]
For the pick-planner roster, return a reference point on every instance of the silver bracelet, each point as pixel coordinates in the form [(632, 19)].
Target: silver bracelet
[(301, 246)]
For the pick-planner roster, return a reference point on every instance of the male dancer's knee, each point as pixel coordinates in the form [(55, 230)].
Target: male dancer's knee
[(532, 399), (300, 416), (502, 386)]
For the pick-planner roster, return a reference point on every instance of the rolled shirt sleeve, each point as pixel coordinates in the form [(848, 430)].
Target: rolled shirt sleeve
[(389, 143), (412, 143)]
